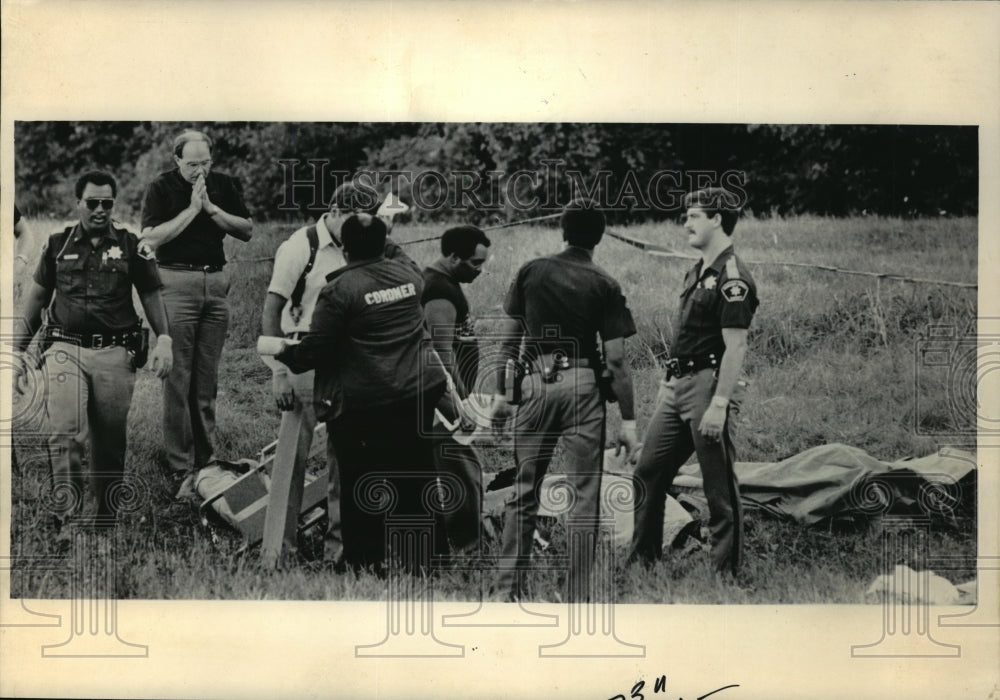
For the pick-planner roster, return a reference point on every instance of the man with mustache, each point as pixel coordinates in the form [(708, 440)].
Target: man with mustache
[(464, 252)]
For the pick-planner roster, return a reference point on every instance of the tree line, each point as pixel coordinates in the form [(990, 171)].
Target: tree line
[(502, 171)]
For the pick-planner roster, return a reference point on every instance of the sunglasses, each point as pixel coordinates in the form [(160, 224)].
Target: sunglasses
[(105, 204)]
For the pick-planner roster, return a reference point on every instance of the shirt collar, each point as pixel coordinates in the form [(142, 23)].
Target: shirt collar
[(79, 234), (573, 252), (720, 259), (323, 234)]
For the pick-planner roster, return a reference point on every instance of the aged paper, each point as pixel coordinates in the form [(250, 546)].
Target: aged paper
[(789, 62)]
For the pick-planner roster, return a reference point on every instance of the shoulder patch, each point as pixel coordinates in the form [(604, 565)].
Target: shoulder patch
[(735, 290)]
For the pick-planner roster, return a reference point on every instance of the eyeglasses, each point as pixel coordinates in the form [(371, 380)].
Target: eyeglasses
[(105, 204)]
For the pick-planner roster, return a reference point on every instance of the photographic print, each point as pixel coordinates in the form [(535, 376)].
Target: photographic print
[(463, 386)]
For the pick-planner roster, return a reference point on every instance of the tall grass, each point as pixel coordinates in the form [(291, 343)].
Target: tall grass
[(833, 358)]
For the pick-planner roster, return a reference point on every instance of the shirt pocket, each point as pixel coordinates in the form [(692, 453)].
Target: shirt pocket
[(702, 313), (71, 278), (112, 278)]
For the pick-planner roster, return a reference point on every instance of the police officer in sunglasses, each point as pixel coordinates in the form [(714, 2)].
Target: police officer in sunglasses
[(92, 344)]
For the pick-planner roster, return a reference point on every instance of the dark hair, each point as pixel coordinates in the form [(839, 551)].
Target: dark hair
[(582, 223), (363, 236), (97, 177), (716, 200), (351, 198), (462, 240), (186, 137)]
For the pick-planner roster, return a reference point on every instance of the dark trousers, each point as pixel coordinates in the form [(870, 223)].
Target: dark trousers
[(388, 480), (462, 475), (671, 437)]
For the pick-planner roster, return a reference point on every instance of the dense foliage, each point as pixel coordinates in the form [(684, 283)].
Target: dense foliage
[(491, 171)]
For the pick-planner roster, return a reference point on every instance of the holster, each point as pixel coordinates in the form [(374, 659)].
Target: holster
[(605, 379), (138, 347), (514, 373)]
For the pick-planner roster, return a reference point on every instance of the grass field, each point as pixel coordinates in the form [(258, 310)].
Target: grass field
[(833, 358)]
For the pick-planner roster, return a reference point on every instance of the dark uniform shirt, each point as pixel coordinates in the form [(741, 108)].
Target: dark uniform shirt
[(367, 340), (93, 286), (566, 300), (200, 243), (723, 295), (438, 285)]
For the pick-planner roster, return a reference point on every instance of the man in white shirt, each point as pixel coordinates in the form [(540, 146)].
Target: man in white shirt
[(288, 309)]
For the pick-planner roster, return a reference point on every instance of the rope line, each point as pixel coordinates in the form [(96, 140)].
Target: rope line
[(662, 252)]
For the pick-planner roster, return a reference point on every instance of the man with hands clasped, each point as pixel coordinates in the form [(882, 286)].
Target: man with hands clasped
[(186, 214)]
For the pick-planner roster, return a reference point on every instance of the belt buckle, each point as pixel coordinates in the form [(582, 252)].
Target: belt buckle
[(97, 341)]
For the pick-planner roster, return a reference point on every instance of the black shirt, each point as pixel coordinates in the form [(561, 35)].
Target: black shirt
[(93, 286), (367, 340), (566, 300), (465, 347), (724, 295), (200, 243)]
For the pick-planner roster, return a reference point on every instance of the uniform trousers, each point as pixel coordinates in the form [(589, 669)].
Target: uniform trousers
[(302, 386), (198, 318), (671, 437), (89, 394), (570, 409), (391, 445), (459, 464)]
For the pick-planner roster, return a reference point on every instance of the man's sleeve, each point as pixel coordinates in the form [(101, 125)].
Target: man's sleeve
[(320, 345), (155, 206), (618, 321), (434, 288), (289, 262), (513, 305), (393, 251), (45, 273), (739, 299), (142, 267), (233, 198)]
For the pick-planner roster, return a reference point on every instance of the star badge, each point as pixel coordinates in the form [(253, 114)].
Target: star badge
[(115, 253), (735, 290), (710, 282)]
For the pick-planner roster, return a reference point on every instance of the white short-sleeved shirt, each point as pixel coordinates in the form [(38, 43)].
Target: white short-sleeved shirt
[(289, 262)]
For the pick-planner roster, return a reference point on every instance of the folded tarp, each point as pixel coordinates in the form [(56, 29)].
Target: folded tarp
[(838, 480)]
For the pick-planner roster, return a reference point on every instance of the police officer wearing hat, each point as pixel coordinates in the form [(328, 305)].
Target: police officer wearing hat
[(559, 305), (92, 342), (701, 386), (377, 382)]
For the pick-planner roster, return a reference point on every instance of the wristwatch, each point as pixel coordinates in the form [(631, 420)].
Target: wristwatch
[(719, 402)]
